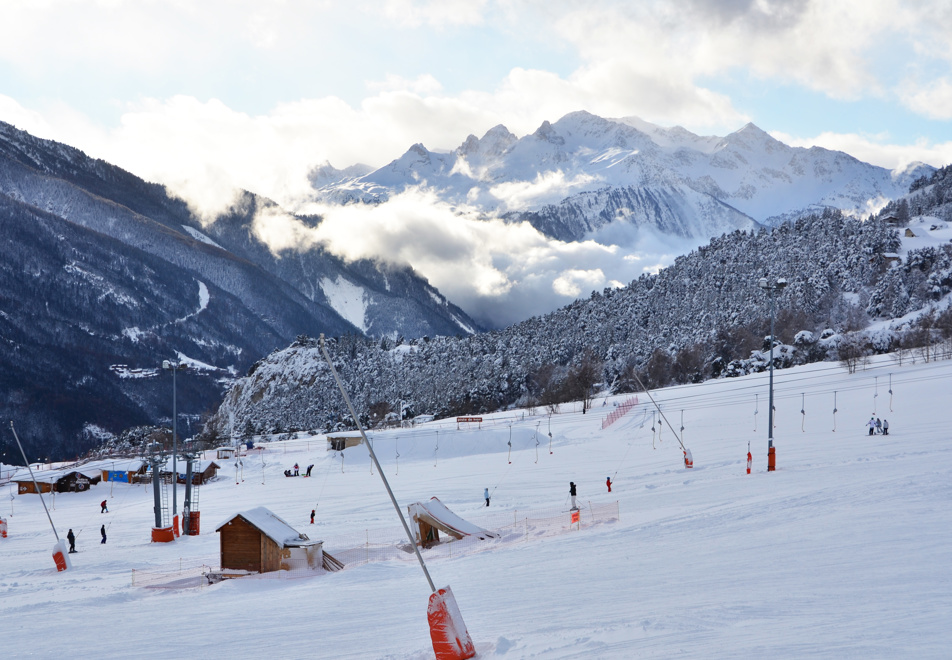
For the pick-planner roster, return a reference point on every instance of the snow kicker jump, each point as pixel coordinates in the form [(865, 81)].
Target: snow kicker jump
[(433, 517)]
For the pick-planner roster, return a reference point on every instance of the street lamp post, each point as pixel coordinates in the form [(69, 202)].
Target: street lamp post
[(771, 286), (173, 367)]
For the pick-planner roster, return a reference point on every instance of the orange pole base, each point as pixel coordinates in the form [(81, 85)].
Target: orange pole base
[(451, 640), (771, 459)]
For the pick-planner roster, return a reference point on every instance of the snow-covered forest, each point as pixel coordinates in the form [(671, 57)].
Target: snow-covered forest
[(704, 316)]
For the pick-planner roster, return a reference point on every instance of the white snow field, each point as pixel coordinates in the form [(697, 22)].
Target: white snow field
[(843, 552)]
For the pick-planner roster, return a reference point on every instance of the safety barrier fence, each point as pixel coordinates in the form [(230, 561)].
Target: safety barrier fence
[(619, 412), (386, 544)]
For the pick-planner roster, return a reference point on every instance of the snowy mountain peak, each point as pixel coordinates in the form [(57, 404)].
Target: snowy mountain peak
[(752, 138), (546, 133), (630, 170)]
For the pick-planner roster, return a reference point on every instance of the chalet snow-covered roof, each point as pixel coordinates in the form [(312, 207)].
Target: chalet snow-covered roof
[(199, 466), (111, 465), (41, 476), (272, 526)]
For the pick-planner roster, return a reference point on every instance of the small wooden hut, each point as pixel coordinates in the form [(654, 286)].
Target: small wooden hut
[(344, 439), (258, 541), (202, 473)]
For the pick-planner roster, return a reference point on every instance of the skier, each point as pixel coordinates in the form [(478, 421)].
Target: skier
[(309, 468), (102, 530), (608, 482), (312, 516), (872, 425), (879, 426), (102, 507), (885, 427), (486, 495), (72, 540), (296, 470), (572, 493)]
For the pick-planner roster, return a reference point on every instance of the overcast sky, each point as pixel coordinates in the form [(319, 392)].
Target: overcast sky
[(207, 96)]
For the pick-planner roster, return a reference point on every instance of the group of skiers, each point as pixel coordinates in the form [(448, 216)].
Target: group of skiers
[(295, 471), (102, 530), (876, 426)]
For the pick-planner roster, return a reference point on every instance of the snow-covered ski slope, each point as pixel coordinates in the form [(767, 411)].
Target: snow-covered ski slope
[(843, 552)]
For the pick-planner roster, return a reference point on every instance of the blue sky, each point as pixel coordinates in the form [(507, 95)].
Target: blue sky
[(212, 96), (135, 81)]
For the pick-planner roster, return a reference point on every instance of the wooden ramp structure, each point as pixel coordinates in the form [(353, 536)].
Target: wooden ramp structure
[(432, 517)]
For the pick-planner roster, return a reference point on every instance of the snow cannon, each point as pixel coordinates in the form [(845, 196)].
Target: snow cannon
[(162, 535), (451, 640), (61, 556), (771, 459)]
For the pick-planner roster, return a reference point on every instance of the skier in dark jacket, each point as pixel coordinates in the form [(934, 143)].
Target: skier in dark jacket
[(102, 530), (312, 516), (72, 540), (572, 493), (486, 495)]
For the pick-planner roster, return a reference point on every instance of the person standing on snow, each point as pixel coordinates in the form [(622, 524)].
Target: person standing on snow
[(296, 470), (72, 540), (879, 426), (102, 530), (608, 482), (486, 495), (103, 508), (572, 493), (312, 516), (309, 468), (885, 427), (872, 425)]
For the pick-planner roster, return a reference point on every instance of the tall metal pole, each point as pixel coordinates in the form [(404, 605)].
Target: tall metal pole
[(33, 477), (771, 286), (174, 444), (373, 456), (770, 411)]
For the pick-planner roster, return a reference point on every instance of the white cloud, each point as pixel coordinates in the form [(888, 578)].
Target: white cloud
[(547, 188), (875, 149), (498, 272), (435, 13), (933, 100)]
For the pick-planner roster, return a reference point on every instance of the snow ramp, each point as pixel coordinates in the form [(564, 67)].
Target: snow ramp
[(433, 517)]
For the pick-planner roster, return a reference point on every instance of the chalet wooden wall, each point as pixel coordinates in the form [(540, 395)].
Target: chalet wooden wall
[(270, 555), (241, 546)]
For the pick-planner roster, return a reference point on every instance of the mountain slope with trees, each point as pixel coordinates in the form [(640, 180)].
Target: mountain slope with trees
[(704, 316)]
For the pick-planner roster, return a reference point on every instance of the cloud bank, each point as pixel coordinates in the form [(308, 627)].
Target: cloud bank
[(499, 272)]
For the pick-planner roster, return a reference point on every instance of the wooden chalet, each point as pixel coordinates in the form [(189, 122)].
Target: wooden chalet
[(202, 471), (258, 541), (344, 439), (125, 470), (62, 481)]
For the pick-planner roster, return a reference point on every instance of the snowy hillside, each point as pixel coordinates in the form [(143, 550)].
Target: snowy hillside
[(844, 551), (573, 177), (105, 274)]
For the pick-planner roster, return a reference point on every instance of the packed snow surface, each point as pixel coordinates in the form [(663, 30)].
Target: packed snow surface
[(844, 551)]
